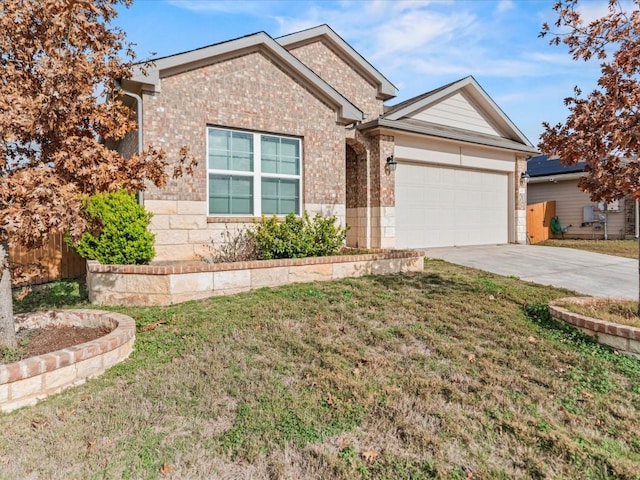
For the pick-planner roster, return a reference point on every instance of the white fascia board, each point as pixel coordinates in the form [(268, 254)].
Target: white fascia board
[(449, 134), (346, 111), (386, 89), (477, 93), (426, 101)]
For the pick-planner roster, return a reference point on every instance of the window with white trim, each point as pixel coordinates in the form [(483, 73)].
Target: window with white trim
[(253, 173)]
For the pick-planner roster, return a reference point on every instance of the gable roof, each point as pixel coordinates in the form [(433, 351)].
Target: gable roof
[(149, 78), (543, 166), (386, 89), (393, 109), (399, 117), (470, 86)]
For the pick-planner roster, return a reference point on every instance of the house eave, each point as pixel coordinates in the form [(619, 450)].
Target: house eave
[(558, 177), (447, 134)]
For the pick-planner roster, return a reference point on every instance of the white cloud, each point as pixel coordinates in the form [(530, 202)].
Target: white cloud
[(419, 30), (591, 11), (504, 6)]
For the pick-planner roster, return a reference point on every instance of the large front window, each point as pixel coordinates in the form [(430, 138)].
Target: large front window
[(253, 173)]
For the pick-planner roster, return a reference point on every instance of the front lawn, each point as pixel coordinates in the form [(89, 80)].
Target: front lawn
[(620, 248), (439, 374)]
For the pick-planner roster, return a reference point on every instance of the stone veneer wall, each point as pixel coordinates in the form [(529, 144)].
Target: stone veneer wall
[(168, 284), (248, 92)]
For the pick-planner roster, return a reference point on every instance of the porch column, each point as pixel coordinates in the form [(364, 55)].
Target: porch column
[(382, 192)]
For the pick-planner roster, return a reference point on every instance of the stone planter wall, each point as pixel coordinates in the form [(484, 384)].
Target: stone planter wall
[(25, 382), (168, 284), (623, 338)]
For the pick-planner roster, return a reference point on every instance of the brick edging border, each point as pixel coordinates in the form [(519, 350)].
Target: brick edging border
[(624, 338), (197, 267), (30, 380)]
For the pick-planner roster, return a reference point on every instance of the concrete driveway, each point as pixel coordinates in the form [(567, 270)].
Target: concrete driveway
[(588, 273)]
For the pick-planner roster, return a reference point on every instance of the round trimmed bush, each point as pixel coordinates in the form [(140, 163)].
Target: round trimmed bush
[(120, 233)]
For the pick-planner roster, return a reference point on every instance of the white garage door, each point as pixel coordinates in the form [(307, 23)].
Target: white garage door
[(439, 207)]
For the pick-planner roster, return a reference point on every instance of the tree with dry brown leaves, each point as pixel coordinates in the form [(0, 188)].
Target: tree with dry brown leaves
[(59, 108), (602, 128)]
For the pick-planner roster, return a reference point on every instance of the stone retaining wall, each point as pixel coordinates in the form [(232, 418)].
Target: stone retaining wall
[(623, 338), (25, 382), (175, 283)]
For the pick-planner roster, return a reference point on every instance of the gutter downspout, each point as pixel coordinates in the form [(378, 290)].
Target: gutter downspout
[(138, 100), (637, 218)]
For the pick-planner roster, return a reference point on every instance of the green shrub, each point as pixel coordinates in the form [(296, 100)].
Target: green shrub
[(120, 234), (297, 237)]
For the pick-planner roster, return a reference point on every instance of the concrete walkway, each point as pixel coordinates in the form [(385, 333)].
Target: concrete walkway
[(588, 273)]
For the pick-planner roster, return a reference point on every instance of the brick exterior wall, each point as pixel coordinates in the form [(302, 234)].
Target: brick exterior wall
[(320, 58), (382, 192), (249, 92), (358, 212), (254, 92)]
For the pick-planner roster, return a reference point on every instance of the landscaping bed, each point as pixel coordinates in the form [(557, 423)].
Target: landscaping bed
[(616, 331), (30, 379), (166, 284)]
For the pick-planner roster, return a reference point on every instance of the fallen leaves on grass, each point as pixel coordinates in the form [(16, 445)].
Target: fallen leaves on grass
[(152, 326), (370, 455)]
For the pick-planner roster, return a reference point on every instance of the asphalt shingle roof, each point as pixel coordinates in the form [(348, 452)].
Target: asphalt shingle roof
[(542, 166)]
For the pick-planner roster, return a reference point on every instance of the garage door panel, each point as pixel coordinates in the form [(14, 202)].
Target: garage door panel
[(438, 206)]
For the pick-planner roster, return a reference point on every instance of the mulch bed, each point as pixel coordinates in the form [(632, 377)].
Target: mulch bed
[(50, 339)]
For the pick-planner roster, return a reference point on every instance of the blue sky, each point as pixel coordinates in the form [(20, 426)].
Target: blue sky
[(418, 45)]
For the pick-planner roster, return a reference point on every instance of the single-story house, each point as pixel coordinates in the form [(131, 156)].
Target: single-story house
[(299, 123), (550, 180)]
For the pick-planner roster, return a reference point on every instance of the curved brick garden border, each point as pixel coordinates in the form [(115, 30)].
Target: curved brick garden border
[(27, 381), (623, 338)]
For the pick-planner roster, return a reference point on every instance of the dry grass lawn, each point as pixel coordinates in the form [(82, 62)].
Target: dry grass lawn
[(622, 312), (620, 248), (451, 373)]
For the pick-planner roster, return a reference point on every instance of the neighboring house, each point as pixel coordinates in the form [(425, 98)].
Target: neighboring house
[(551, 180), (299, 123)]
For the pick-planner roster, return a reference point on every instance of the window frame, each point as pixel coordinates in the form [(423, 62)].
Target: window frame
[(257, 175)]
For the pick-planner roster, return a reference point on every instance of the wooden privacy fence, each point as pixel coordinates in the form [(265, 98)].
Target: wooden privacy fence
[(539, 217), (56, 259)]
